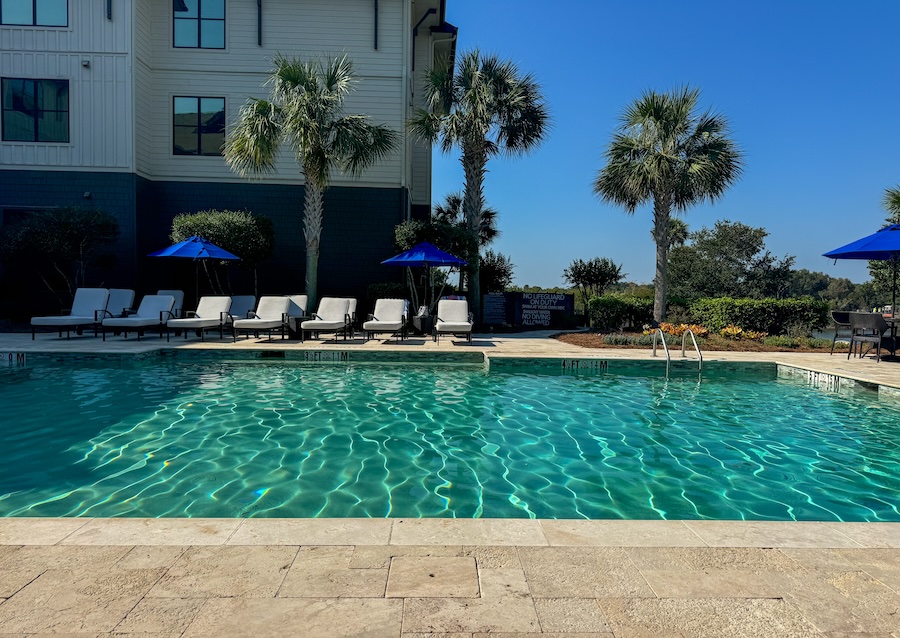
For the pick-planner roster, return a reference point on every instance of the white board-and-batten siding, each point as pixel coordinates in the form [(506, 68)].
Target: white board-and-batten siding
[(92, 53)]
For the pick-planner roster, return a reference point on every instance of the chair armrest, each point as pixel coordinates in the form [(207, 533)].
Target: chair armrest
[(163, 313), (190, 314), (100, 315), (65, 311), (471, 318), (126, 312), (370, 317), (252, 315)]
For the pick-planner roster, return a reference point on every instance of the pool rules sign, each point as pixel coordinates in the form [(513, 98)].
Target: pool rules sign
[(529, 310)]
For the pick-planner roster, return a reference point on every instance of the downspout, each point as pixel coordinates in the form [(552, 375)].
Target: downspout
[(406, 87), (376, 25), (259, 23), (109, 9)]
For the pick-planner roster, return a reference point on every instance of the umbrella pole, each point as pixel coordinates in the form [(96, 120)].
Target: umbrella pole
[(893, 287)]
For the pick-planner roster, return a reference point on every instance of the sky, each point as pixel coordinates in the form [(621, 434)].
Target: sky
[(810, 90)]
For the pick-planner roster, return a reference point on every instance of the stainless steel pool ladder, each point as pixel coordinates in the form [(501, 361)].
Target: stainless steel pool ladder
[(659, 333)]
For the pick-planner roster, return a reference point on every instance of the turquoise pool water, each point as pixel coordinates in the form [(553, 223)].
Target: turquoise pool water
[(276, 439)]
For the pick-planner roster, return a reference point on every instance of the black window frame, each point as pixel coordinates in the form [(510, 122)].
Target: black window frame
[(37, 111), (34, 14), (199, 125), (199, 20)]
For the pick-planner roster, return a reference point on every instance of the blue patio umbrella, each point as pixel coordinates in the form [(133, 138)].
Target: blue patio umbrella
[(198, 249), (425, 255), (883, 245)]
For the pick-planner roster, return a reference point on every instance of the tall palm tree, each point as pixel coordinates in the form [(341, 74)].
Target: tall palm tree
[(883, 273), (305, 112), (486, 107), (667, 152)]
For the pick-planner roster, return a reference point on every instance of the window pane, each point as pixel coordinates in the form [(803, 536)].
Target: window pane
[(52, 13), (212, 112), (212, 143), (53, 95), (185, 141), (17, 11), (18, 127), (212, 9), (212, 34), (53, 127), (186, 33), (185, 8)]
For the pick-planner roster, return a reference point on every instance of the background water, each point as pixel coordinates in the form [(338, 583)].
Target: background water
[(249, 438)]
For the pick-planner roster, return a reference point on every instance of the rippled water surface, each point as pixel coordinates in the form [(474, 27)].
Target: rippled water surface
[(223, 439)]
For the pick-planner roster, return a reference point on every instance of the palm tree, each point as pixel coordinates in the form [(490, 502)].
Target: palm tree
[(305, 112), (666, 152), (884, 273), (486, 107), (451, 212)]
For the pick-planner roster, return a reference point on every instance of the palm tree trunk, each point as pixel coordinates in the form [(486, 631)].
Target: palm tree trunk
[(474, 161), (661, 215), (312, 230)]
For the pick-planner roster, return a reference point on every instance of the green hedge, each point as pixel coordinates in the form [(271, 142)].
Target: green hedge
[(610, 313), (793, 317)]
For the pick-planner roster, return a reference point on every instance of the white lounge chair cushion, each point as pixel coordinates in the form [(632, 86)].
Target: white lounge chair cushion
[(148, 313), (297, 307), (453, 316), (331, 315), (388, 315), (209, 313), (120, 300), (269, 314), (88, 303), (178, 295)]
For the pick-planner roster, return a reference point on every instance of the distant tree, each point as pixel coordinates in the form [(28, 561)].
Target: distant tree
[(305, 113), (250, 237), (496, 272), (728, 260), (592, 277), (59, 244), (485, 106), (666, 152), (806, 283)]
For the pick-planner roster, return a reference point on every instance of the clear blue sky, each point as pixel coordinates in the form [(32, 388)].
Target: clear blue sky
[(810, 89)]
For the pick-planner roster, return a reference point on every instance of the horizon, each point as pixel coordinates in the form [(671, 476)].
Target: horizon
[(804, 87)]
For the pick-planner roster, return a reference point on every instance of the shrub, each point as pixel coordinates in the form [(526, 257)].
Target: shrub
[(772, 316), (638, 340), (782, 341), (754, 335), (679, 329), (612, 312), (731, 332)]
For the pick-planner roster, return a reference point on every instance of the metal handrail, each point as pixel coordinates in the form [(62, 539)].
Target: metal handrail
[(696, 347), (658, 331)]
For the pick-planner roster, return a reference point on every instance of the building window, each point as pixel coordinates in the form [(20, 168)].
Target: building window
[(35, 110), (199, 24), (35, 13), (199, 125)]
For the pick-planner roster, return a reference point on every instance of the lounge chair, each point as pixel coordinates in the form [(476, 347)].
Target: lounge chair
[(333, 315), (121, 300), (241, 307), (212, 312), (154, 311), (842, 329), (390, 316), (453, 317), (270, 314), (87, 309), (178, 295), (871, 328)]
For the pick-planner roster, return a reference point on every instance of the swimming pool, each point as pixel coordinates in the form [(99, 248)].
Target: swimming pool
[(217, 438)]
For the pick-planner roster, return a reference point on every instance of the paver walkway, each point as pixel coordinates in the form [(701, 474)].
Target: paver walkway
[(450, 578)]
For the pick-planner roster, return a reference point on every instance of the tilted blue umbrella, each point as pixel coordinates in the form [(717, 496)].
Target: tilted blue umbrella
[(883, 245), (425, 254), (195, 247)]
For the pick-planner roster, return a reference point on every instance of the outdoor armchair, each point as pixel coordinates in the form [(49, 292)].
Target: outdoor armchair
[(389, 316), (154, 311), (842, 329), (453, 317), (270, 314), (87, 309), (212, 312), (333, 315), (871, 328)]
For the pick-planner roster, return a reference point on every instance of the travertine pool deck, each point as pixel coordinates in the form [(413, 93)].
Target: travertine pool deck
[(445, 577)]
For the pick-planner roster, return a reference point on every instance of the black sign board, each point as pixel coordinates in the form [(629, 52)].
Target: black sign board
[(532, 310)]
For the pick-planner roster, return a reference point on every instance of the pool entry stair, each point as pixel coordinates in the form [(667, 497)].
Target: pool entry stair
[(658, 333)]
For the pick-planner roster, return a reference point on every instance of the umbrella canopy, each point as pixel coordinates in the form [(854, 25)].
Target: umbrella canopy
[(883, 245), (425, 254), (195, 248), (880, 246)]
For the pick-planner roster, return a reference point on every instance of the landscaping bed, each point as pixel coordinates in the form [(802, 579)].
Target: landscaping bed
[(713, 342)]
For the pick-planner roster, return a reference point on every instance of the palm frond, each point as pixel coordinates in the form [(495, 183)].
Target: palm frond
[(252, 145), (360, 144)]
